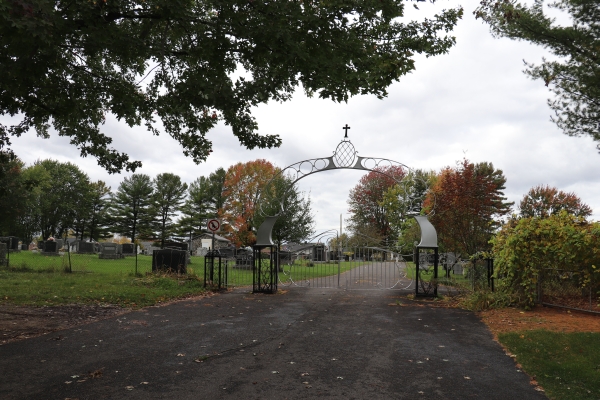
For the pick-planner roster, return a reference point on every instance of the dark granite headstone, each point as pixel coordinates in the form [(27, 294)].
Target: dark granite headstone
[(128, 249), (86, 248), (227, 252), (50, 247), (40, 245), (170, 260), (24, 247), (177, 245)]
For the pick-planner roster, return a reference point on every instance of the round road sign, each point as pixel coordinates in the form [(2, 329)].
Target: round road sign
[(214, 225)]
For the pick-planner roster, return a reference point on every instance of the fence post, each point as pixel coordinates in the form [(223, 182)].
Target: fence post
[(69, 254), (135, 248), (539, 287)]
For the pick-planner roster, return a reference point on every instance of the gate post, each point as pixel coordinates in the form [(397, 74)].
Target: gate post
[(417, 262), (428, 241), (264, 269), (209, 270)]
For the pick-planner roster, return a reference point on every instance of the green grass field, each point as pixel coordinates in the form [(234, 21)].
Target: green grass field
[(299, 271), (41, 280), (35, 279), (566, 365)]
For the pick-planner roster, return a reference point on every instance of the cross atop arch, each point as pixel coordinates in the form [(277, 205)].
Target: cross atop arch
[(345, 128)]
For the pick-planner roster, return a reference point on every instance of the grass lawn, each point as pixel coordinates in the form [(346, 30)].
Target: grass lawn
[(27, 260), (566, 365), (33, 279), (299, 272), (454, 280)]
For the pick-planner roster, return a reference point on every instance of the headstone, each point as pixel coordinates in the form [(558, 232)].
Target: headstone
[(3, 255), (50, 248), (12, 243), (59, 243), (24, 247), (86, 248), (227, 252), (319, 253), (74, 246), (243, 261), (457, 269), (128, 249), (170, 260), (40, 245), (110, 250), (176, 245)]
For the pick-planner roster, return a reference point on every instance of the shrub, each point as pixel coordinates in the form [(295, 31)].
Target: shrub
[(525, 247)]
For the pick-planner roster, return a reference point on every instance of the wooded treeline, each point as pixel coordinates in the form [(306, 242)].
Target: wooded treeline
[(466, 205), (52, 198)]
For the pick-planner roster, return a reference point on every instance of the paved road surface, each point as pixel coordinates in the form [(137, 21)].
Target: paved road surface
[(305, 343)]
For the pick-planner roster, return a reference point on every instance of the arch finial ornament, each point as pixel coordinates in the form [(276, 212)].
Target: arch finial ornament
[(345, 154)]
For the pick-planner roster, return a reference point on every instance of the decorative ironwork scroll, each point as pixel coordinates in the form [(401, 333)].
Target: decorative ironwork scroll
[(345, 156)]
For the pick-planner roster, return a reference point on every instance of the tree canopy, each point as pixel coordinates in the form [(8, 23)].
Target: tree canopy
[(574, 77), (190, 64), (468, 201), (242, 183), (131, 208), (544, 201), (368, 211), (169, 194), (296, 223)]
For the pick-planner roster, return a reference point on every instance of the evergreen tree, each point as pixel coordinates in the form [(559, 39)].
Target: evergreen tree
[(573, 75), (98, 204), (131, 207), (169, 193), (205, 198)]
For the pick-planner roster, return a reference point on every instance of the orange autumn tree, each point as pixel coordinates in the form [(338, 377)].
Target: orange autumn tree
[(468, 201), (544, 201), (242, 182)]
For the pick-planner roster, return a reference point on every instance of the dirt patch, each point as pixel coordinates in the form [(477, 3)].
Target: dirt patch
[(552, 319), (22, 322)]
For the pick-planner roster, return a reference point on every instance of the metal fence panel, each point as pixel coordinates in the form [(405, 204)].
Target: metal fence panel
[(570, 289)]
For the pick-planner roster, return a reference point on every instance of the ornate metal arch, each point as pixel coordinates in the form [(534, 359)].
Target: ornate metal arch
[(345, 156)]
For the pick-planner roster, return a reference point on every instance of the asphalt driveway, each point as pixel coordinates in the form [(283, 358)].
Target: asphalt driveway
[(305, 343)]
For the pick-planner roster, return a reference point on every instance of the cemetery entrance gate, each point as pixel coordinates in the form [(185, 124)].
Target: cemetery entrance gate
[(370, 266)]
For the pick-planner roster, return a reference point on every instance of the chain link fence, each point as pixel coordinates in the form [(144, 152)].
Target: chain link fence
[(574, 290)]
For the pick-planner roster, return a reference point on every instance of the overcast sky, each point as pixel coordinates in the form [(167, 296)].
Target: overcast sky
[(474, 102)]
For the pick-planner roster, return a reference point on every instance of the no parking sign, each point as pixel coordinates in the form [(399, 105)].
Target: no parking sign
[(214, 225)]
